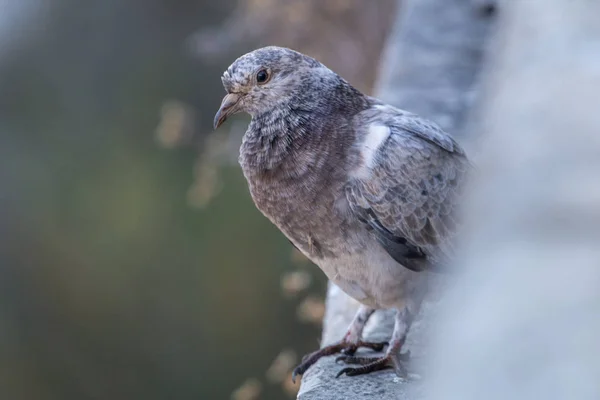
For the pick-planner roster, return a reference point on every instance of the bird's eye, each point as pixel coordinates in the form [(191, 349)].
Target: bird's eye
[(262, 76)]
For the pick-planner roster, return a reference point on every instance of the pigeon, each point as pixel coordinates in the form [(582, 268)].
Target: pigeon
[(368, 192)]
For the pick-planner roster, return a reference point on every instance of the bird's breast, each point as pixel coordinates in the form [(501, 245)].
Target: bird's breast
[(297, 186), (305, 213)]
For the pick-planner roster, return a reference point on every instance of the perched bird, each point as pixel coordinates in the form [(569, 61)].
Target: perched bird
[(365, 190)]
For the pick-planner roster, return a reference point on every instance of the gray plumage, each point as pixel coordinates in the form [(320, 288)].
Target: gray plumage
[(367, 191)]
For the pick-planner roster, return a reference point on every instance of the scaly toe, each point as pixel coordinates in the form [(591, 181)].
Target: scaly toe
[(347, 349), (377, 364), (355, 360)]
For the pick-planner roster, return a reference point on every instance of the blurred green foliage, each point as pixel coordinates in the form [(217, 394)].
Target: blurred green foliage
[(111, 285)]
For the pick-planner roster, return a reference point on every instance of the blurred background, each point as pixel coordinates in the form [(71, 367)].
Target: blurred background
[(133, 263)]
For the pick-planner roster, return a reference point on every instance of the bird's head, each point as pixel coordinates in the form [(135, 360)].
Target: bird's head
[(266, 79)]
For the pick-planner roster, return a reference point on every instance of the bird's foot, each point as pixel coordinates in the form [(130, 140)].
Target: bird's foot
[(348, 359), (348, 349), (372, 364)]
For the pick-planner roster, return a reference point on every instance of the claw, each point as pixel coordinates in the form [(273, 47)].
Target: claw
[(345, 348), (342, 372), (372, 364), (294, 374), (378, 365)]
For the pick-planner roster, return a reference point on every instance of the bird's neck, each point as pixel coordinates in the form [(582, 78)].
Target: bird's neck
[(276, 138), (296, 140), (297, 135)]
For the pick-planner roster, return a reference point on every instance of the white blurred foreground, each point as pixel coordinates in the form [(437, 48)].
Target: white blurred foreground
[(525, 320)]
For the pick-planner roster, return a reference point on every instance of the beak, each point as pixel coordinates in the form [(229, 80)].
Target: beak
[(229, 106)]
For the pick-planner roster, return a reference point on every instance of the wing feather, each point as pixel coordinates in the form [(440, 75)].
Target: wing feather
[(409, 196)]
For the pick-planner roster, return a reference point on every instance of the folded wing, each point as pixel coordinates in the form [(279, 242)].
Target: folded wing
[(409, 191)]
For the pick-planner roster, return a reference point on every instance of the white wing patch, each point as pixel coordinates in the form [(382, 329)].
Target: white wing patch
[(375, 138)]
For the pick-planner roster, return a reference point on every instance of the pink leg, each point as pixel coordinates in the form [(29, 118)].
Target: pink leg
[(393, 357)]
